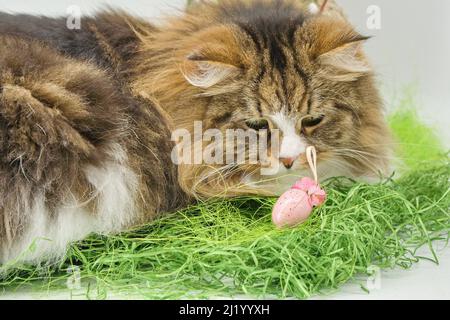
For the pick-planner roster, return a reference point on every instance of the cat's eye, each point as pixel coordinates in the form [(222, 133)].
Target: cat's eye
[(309, 122), (257, 124)]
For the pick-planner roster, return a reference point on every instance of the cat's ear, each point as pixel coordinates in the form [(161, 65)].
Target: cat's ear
[(347, 57), (337, 48), (213, 56), (201, 72)]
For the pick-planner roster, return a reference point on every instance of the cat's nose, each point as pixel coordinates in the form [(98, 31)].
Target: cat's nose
[(287, 162)]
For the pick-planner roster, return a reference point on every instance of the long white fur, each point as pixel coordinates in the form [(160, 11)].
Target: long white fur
[(345, 58), (46, 239), (209, 74)]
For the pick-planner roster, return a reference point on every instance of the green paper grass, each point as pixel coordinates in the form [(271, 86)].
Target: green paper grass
[(228, 248), (416, 142)]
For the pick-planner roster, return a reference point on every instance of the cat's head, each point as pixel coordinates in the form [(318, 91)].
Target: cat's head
[(275, 66)]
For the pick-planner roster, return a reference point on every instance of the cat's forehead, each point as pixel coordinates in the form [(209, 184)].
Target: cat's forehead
[(281, 91)]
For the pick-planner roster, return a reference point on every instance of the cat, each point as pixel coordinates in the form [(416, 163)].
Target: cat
[(87, 116)]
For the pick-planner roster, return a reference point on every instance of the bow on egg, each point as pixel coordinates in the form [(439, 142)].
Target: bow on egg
[(316, 195), (295, 205)]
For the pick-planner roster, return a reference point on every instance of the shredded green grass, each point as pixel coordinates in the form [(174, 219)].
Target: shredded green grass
[(229, 248), (416, 142)]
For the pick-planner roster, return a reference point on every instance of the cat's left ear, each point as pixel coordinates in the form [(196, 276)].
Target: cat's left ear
[(347, 58), (336, 48)]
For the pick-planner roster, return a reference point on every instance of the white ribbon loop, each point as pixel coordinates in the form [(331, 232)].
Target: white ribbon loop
[(323, 6), (311, 156)]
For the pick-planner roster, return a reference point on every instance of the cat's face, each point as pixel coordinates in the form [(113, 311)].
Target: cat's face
[(270, 65)]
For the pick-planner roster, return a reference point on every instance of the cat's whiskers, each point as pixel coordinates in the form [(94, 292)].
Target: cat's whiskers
[(333, 164), (369, 154), (365, 160)]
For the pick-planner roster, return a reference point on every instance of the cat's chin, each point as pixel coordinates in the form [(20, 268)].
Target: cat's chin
[(275, 182), (282, 179)]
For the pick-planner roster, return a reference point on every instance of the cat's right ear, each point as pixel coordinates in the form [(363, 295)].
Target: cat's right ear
[(203, 73), (213, 56)]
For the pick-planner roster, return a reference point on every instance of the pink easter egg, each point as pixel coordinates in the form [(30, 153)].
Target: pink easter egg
[(292, 208)]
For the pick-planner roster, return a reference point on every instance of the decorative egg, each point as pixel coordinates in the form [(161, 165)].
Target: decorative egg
[(295, 205), (291, 209)]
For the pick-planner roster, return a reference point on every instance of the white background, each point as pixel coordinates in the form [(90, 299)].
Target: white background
[(412, 49)]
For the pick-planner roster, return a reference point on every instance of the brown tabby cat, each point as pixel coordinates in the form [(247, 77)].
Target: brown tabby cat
[(86, 115)]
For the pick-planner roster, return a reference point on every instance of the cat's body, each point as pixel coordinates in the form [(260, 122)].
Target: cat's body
[(79, 153), (86, 115)]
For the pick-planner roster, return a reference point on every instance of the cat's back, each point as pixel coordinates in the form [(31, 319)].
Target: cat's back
[(106, 39), (79, 152)]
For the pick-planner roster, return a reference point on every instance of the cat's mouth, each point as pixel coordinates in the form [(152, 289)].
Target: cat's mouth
[(290, 166), (277, 179), (283, 178)]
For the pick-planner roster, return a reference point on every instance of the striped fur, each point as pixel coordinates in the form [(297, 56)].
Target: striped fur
[(229, 61), (86, 115)]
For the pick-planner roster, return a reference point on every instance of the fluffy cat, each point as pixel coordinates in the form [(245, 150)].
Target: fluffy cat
[(86, 115)]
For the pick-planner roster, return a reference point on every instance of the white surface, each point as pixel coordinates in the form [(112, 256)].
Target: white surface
[(424, 281), (411, 48)]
